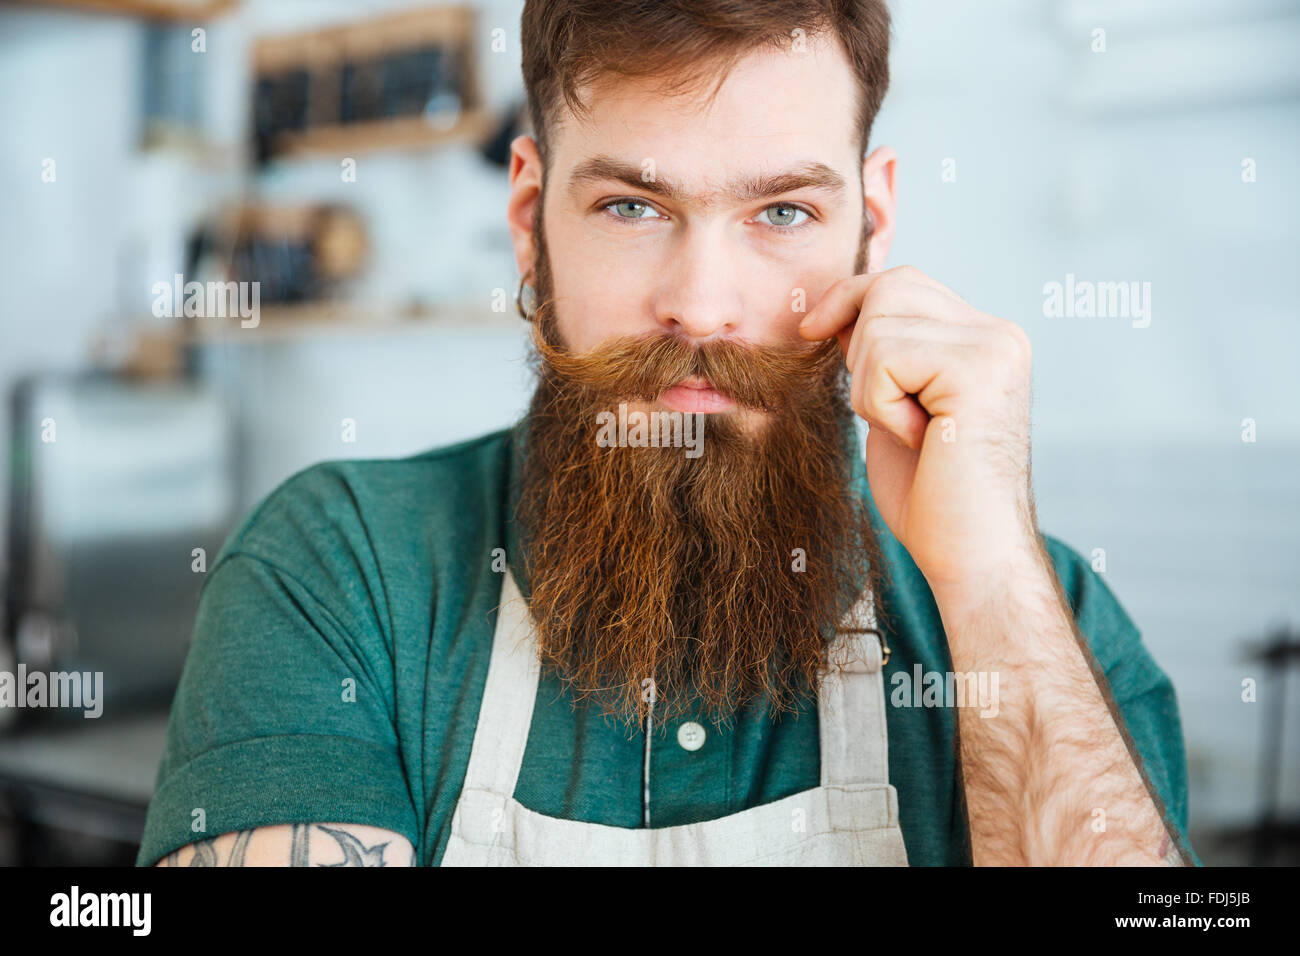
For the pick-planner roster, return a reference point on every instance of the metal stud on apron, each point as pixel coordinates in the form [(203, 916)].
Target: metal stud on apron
[(851, 819)]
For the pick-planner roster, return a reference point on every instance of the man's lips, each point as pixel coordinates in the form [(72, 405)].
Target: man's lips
[(695, 394)]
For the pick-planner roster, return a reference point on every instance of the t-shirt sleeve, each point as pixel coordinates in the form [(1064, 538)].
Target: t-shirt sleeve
[(285, 710), (1140, 690)]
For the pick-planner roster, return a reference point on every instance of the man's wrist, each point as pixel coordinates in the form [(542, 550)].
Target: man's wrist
[(1015, 619), (1023, 570)]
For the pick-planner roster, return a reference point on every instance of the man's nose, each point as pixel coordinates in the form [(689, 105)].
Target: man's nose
[(701, 290)]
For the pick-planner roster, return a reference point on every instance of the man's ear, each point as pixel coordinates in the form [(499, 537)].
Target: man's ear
[(880, 203), (524, 204)]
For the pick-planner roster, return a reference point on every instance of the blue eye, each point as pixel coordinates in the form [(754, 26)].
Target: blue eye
[(784, 215), (630, 209)]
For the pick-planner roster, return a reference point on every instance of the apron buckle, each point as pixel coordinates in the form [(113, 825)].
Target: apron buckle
[(884, 648)]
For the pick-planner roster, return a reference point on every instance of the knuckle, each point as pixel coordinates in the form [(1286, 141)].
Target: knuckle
[(1010, 358), (1009, 347), (889, 278), (1022, 349), (858, 399), (869, 350)]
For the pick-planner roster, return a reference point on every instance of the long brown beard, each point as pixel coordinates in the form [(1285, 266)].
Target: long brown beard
[(715, 580)]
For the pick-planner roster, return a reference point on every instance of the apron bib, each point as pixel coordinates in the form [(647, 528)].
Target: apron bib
[(851, 819)]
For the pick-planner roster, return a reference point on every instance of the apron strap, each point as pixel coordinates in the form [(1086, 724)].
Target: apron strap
[(508, 696), (851, 705)]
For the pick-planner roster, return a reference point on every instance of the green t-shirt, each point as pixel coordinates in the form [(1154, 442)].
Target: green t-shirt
[(341, 646)]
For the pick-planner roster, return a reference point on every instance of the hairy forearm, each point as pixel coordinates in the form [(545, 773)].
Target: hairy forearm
[(1049, 778)]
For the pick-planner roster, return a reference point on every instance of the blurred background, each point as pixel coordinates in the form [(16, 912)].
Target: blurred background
[(350, 158)]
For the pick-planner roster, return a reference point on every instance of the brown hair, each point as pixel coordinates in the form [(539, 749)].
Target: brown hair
[(568, 44)]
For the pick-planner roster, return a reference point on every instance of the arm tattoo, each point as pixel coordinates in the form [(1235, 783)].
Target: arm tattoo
[(354, 852), (298, 852), (241, 845), (208, 852), (205, 852)]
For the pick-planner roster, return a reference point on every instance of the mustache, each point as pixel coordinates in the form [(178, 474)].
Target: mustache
[(758, 376)]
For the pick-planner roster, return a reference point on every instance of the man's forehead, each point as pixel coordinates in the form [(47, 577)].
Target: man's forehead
[(777, 111)]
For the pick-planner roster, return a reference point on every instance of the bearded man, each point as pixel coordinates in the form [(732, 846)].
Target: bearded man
[(568, 643)]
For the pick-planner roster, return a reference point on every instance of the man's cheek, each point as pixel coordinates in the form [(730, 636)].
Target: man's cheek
[(779, 305), (599, 307)]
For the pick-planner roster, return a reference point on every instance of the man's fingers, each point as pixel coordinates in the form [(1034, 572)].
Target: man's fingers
[(902, 291), (886, 405), (939, 332), (901, 381), (837, 308)]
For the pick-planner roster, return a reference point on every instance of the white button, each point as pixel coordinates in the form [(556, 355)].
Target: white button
[(690, 735)]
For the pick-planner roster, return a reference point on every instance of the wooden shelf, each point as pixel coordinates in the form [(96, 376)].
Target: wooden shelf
[(181, 10), (363, 38)]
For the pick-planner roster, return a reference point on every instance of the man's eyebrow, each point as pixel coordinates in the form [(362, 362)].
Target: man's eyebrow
[(811, 175)]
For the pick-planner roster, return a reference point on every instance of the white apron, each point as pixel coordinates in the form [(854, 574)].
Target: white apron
[(850, 820)]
